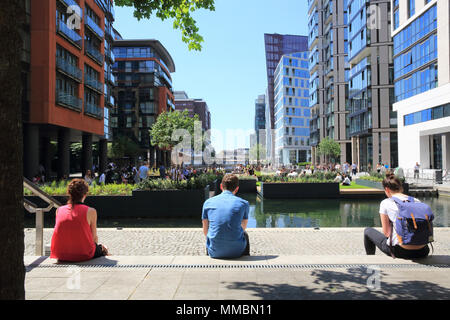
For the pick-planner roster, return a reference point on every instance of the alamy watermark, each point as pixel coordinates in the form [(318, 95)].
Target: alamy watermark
[(374, 281), (74, 14)]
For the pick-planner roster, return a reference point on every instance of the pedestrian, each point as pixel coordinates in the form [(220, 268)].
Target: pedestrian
[(143, 171), (417, 171)]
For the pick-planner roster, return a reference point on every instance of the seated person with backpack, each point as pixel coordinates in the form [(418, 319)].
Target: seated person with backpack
[(225, 219), (407, 224)]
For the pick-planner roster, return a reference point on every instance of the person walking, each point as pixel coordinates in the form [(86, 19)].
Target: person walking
[(417, 171), (143, 171)]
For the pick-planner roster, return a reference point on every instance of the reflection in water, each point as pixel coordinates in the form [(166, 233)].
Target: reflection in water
[(274, 213)]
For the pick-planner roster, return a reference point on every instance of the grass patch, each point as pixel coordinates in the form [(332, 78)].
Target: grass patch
[(353, 186)]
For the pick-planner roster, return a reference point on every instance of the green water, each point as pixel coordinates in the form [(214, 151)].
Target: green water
[(287, 214), (328, 213)]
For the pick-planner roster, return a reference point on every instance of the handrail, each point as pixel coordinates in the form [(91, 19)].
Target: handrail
[(33, 208)]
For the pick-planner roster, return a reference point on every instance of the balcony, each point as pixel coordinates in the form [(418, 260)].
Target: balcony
[(68, 100), (94, 27), (68, 33), (110, 55), (111, 78), (69, 3), (111, 101), (93, 110), (93, 83), (69, 69), (93, 52)]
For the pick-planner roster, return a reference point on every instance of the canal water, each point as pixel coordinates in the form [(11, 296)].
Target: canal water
[(287, 214), (329, 213)]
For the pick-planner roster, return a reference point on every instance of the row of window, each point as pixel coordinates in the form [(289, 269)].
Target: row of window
[(427, 115), (418, 82), (416, 57), (416, 30)]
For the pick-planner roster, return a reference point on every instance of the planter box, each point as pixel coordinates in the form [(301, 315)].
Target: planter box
[(142, 204), (247, 186), (300, 190)]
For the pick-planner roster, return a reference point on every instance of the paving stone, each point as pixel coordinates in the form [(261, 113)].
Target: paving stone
[(191, 242)]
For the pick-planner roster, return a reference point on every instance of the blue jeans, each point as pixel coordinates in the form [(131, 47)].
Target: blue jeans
[(374, 239)]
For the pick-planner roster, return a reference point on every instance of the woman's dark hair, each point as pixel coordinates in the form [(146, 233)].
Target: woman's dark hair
[(392, 182), (76, 190)]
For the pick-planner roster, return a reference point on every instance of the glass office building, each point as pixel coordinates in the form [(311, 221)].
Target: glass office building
[(422, 82), (372, 123), (277, 45), (292, 111)]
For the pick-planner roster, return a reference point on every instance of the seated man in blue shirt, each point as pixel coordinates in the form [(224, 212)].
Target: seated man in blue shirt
[(225, 219)]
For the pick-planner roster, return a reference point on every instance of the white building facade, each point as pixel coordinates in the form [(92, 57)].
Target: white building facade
[(421, 36)]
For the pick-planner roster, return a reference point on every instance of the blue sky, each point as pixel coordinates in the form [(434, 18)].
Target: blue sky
[(230, 71)]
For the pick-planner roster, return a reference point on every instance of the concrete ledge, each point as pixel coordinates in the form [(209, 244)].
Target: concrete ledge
[(248, 261)]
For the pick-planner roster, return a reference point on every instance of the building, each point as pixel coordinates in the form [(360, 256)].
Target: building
[(292, 111), (372, 122), (66, 83), (195, 107), (328, 65), (420, 30), (144, 90), (277, 45)]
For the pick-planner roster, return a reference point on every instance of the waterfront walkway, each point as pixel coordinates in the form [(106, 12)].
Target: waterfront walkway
[(285, 264)]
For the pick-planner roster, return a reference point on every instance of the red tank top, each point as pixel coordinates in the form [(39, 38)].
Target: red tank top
[(72, 236)]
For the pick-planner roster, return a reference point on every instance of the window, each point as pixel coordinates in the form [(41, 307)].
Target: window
[(396, 19), (411, 8)]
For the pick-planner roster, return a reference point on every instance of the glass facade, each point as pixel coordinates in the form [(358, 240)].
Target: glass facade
[(292, 111), (415, 56), (435, 113)]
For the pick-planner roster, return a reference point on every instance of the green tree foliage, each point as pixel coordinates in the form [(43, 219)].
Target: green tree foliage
[(179, 10), (258, 152), (123, 146), (167, 123), (329, 148)]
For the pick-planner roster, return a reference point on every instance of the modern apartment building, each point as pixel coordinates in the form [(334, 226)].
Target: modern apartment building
[(421, 32), (373, 124), (195, 107), (144, 90), (329, 67), (292, 111), (277, 45), (66, 83)]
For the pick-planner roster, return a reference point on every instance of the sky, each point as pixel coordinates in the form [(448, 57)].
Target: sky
[(230, 71)]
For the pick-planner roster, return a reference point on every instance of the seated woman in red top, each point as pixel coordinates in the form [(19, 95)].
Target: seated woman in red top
[(75, 235)]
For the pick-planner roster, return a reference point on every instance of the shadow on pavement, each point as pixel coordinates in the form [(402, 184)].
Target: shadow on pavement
[(355, 283)]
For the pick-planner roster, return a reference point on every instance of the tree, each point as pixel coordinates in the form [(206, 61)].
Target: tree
[(123, 146), (258, 153), (166, 124), (13, 17), (329, 148), (12, 270), (179, 10)]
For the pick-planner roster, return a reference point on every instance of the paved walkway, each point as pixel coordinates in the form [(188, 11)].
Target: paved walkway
[(249, 278), (191, 242), (167, 264)]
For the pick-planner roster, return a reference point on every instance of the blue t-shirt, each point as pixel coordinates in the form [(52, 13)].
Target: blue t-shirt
[(143, 172), (225, 212)]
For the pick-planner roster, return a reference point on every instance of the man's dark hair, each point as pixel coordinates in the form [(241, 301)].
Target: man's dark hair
[(230, 182)]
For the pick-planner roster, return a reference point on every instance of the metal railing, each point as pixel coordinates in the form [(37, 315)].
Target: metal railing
[(69, 68), (39, 212)]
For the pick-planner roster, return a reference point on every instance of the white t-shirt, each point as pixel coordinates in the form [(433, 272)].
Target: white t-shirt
[(390, 208)]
